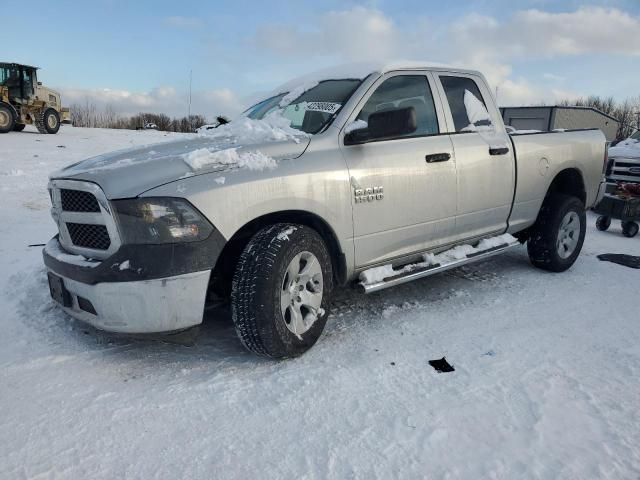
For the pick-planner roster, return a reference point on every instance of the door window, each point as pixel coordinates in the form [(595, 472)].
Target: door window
[(467, 106), (401, 92)]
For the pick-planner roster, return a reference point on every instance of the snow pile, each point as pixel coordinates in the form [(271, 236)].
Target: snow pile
[(272, 128), (355, 125), (53, 249), (203, 158), (284, 234), (476, 111), (378, 274), (523, 132), (627, 148)]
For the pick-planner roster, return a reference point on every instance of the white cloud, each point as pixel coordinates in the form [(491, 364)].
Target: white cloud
[(474, 41), (167, 100)]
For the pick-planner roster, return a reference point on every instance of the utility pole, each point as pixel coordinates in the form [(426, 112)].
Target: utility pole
[(190, 82)]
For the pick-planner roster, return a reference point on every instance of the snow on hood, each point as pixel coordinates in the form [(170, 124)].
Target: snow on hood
[(246, 143), (253, 160), (629, 148), (273, 127)]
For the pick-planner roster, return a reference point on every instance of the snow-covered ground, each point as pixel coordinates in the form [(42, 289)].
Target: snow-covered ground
[(546, 382)]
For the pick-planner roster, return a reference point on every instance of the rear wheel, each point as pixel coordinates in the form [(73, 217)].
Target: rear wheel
[(558, 234), (18, 127), (7, 118), (630, 229), (48, 121), (280, 291), (603, 223)]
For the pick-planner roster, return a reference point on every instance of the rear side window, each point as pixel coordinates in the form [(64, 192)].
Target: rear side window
[(455, 89), (404, 91)]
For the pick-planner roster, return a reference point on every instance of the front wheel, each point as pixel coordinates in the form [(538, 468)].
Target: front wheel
[(558, 234), (7, 118), (603, 223), (280, 291), (48, 121), (629, 229)]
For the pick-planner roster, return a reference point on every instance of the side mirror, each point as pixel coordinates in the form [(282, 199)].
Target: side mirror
[(356, 132), (381, 125), (39, 84)]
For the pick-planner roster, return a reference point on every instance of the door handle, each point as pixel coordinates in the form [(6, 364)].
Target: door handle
[(498, 151), (437, 157)]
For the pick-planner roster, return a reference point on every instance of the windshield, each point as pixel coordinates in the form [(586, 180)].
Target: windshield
[(311, 111), (636, 136)]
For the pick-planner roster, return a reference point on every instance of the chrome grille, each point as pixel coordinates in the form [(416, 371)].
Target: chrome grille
[(85, 222), (89, 236), (625, 170), (78, 201)]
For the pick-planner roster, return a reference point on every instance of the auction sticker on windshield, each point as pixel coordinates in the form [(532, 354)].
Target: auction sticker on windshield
[(327, 107)]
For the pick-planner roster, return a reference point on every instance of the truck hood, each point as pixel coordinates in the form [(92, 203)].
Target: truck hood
[(629, 148), (128, 173)]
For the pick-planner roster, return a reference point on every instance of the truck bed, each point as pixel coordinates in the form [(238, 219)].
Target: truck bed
[(545, 154)]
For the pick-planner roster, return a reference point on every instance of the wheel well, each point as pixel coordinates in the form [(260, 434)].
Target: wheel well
[(569, 182), (222, 274)]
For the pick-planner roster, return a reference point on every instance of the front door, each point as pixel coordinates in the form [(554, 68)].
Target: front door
[(403, 188)]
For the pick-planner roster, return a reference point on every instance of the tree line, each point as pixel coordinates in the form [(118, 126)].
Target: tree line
[(88, 115), (627, 112)]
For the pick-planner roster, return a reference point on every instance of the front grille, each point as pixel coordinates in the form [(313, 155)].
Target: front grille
[(89, 236), (78, 201), (625, 171), (85, 222)]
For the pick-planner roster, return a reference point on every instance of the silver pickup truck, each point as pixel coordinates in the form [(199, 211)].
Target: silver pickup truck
[(368, 176)]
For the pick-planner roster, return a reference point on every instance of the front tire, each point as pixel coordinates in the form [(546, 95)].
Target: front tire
[(630, 229), (48, 121), (558, 234), (7, 118), (603, 223), (280, 291)]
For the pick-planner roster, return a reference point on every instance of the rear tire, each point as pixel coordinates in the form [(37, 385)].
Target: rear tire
[(48, 121), (603, 223), (7, 118), (18, 127), (558, 234), (630, 229), (280, 291)]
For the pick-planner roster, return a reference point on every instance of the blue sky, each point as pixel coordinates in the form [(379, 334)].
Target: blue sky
[(137, 55)]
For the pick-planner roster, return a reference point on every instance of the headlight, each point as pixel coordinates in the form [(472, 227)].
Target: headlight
[(160, 220)]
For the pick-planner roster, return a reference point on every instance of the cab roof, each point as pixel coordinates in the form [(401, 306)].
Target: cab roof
[(13, 64), (361, 70)]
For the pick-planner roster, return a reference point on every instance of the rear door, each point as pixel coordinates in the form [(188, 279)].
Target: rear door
[(484, 160), (404, 188)]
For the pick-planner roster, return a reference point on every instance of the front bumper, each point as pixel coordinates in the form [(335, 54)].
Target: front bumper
[(140, 288), (148, 306)]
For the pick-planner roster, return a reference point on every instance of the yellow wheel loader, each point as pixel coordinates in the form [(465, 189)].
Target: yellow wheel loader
[(24, 101)]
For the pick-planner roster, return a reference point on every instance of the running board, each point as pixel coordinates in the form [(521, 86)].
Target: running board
[(427, 271)]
